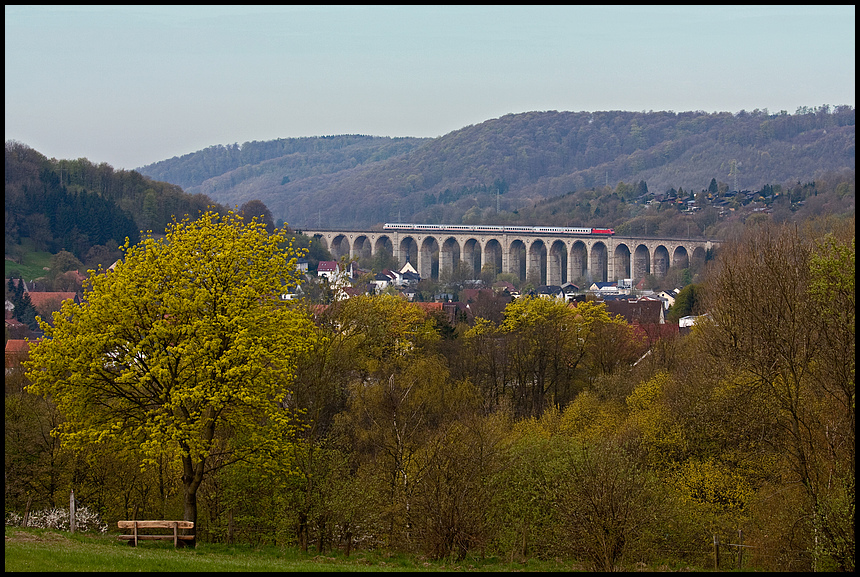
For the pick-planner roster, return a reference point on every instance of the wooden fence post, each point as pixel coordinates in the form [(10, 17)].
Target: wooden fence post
[(230, 527), (27, 511), (740, 548), (72, 511), (716, 552)]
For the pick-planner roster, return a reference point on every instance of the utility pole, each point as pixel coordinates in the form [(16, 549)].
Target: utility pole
[(733, 171), (72, 511)]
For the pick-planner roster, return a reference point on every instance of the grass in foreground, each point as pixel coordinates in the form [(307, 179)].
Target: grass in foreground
[(47, 550)]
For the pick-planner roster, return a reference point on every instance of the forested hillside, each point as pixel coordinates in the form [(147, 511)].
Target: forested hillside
[(297, 158), (492, 170), (76, 205)]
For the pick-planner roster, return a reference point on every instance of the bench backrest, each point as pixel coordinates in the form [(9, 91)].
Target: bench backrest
[(155, 524)]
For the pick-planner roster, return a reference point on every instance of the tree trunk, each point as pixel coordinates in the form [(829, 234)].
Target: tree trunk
[(321, 540), (303, 531), (191, 479), (348, 538), (191, 506)]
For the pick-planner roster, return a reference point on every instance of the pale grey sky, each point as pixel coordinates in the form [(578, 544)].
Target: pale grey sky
[(134, 85)]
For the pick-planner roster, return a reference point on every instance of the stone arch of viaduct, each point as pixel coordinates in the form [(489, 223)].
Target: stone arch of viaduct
[(553, 259)]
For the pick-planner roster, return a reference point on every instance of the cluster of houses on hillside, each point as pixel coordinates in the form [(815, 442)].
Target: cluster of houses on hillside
[(635, 304), (344, 278), (759, 201)]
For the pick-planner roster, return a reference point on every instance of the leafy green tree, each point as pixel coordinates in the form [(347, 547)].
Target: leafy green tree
[(150, 210), (451, 517), (39, 229), (614, 345), (256, 208), (398, 391), (37, 466), (102, 255), (520, 498), (388, 423), (782, 309), (382, 260), (547, 342), (606, 498), (64, 261), (688, 302), (183, 348), (315, 252), (833, 289)]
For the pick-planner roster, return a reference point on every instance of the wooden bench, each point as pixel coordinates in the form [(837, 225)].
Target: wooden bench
[(135, 526)]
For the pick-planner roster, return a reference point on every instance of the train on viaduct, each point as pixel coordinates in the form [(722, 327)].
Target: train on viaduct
[(555, 255)]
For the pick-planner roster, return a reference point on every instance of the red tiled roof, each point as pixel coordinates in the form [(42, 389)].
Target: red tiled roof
[(17, 346), (17, 351), (429, 306), (40, 299)]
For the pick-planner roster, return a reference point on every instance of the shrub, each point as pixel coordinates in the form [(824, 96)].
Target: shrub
[(58, 519)]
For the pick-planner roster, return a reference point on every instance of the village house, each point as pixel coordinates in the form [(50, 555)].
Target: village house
[(504, 286), (603, 287), (669, 296), (685, 324), (409, 275), (17, 351), (550, 292), (387, 278), (48, 302), (328, 269), (643, 311), (16, 329)]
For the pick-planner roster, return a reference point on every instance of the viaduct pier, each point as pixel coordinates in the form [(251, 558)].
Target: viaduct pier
[(551, 259)]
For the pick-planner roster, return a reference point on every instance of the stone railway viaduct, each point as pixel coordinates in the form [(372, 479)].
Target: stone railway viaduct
[(556, 258)]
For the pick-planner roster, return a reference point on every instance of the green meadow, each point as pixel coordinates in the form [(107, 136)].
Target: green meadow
[(47, 550)]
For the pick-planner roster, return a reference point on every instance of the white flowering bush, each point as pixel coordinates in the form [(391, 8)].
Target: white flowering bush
[(85, 520)]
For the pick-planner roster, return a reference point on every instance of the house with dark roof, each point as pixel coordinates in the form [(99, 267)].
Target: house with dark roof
[(669, 296), (409, 277), (502, 286), (639, 311), (385, 279), (408, 268), (550, 292)]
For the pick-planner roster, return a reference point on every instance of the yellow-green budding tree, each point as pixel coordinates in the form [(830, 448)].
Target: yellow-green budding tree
[(183, 349)]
